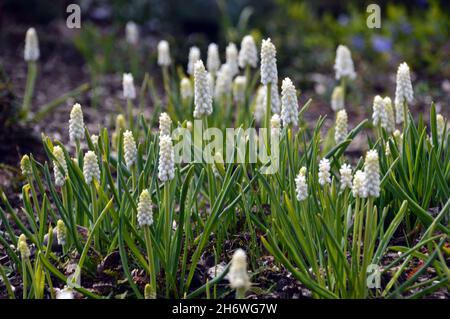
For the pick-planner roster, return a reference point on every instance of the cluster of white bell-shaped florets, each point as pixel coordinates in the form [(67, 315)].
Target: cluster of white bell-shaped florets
[(165, 124), (23, 248), (275, 100), (379, 115), (238, 276), (359, 188), (390, 118), (61, 232), (58, 164), (372, 171), (186, 91), (231, 58), (194, 56), (324, 171), (341, 127), (239, 86), (164, 53), (91, 170), (248, 55), (202, 91), (166, 165), (337, 99), (301, 187), (289, 103), (224, 82), (403, 91), (343, 64), (213, 58), (31, 51), (129, 147), (144, 209), (269, 71), (129, 91), (275, 125), (440, 126), (346, 176), (25, 166), (76, 123), (132, 33)]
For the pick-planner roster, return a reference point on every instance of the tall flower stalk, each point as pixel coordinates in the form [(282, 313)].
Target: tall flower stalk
[(31, 56)]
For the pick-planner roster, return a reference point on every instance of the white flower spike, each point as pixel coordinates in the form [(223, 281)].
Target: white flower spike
[(248, 55), (213, 58), (202, 92), (129, 147), (91, 170), (144, 209), (289, 103), (324, 171), (301, 186), (231, 54), (346, 176), (341, 127), (132, 33), (194, 56), (269, 71), (403, 91), (164, 53), (129, 91), (166, 165), (76, 123), (164, 124), (372, 171), (343, 64), (31, 52), (60, 176)]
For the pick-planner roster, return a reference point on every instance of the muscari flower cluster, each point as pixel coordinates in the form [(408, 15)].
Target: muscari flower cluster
[(164, 124), (372, 172), (269, 71), (194, 56), (248, 55), (238, 276), (76, 123), (343, 65), (166, 165), (58, 164), (224, 81), (337, 99), (129, 91), (61, 232), (231, 55), (129, 148), (144, 209), (202, 92), (301, 186), (31, 51), (213, 58), (289, 103), (403, 91), (164, 53), (341, 127), (324, 171), (91, 170), (132, 33)]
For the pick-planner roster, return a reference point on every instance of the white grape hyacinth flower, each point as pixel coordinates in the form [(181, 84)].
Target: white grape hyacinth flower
[(341, 127), (194, 56), (166, 164), (231, 55), (403, 91), (440, 126), (379, 115), (61, 232), (337, 99), (202, 91), (275, 125), (390, 118), (346, 176), (58, 163), (372, 171), (144, 209), (31, 51), (343, 64), (289, 103), (164, 53), (76, 123), (213, 58), (238, 276), (129, 147), (324, 171), (239, 85), (359, 189), (248, 55), (301, 187), (129, 91), (164, 124), (91, 170), (275, 101), (186, 91), (132, 33), (224, 81), (269, 71)]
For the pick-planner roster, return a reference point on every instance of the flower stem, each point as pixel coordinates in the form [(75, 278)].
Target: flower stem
[(151, 260), (31, 80)]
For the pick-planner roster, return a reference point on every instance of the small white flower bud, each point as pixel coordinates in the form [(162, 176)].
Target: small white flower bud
[(224, 81), (186, 91), (25, 166), (301, 186), (23, 247), (194, 56), (343, 64), (144, 209), (94, 139), (372, 171), (346, 176), (248, 55), (129, 148), (60, 176), (213, 58), (164, 53), (341, 127), (359, 185), (239, 85), (289, 103), (269, 71), (231, 54), (275, 124), (238, 275), (164, 124), (166, 165), (379, 114), (403, 91), (132, 33), (202, 91), (76, 123), (31, 52), (129, 91), (61, 232), (337, 99), (91, 170), (440, 126), (390, 119), (324, 171)]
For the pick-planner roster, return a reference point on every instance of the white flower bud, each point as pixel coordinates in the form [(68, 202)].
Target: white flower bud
[(213, 58), (132, 33), (60, 176), (231, 54), (91, 170), (341, 127), (224, 81), (359, 185), (440, 126), (194, 56), (269, 72), (31, 52), (23, 247), (202, 91), (186, 89), (248, 55), (164, 124), (372, 171), (343, 64), (324, 171), (166, 165), (61, 232), (129, 91), (390, 119), (129, 148), (337, 99), (301, 186), (144, 209), (379, 115), (403, 91), (76, 123), (238, 275), (239, 85), (346, 176), (164, 53), (25, 166), (289, 103), (275, 124)]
